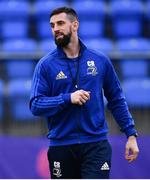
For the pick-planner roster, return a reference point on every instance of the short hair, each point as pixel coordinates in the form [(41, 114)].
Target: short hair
[(69, 11)]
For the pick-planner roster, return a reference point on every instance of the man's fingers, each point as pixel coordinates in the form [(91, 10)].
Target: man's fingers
[(85, 94), (80, 103), (83, 100), (127, 151), (84, 97), (80, 97), (130, 157), (135, 153)]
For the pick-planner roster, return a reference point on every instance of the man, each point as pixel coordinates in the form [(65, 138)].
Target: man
[(67, 89)]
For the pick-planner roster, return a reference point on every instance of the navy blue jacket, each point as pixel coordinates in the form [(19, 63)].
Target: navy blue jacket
[(51, 97)]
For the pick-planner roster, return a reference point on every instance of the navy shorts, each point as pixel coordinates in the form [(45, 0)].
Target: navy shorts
[(80, 161)]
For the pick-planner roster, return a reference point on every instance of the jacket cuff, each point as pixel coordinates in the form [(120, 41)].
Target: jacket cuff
[(67, 98), (130, 131)]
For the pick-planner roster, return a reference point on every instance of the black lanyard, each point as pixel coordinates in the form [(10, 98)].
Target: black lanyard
[(76, 78)]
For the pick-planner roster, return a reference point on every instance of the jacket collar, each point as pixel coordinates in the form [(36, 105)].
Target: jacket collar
[(62, 54)]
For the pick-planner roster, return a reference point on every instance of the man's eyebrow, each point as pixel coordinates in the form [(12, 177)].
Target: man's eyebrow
[(57, 21)]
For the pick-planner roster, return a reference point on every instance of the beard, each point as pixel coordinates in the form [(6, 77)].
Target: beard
[(63, 41)]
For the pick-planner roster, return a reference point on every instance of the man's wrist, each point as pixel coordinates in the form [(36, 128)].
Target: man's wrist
[(67, 98), (130, 131), (134, 135)]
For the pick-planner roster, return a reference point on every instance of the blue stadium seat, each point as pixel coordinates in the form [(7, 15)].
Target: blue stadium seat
[(91, 10), (19, 68), (140, 69), (44, 29), (120, 28), (91, 29), (14, 29), (14, 10), (133, 45), (137, 92), (91, 18), (19, 46), (46, 45), (102, 45), (1, 98), (148, 14), (44, 8), (148, 9), (134, 68), (18, 96), (14, 16), (127, 18)]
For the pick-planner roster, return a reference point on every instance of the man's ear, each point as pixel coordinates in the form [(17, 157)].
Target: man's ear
[(75, 26)]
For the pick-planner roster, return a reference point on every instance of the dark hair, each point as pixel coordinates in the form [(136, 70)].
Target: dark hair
[(69, 11)]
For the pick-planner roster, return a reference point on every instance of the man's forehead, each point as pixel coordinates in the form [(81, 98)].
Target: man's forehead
[(58, 17)]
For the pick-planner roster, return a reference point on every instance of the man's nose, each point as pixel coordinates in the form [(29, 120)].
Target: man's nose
[(56, 28)]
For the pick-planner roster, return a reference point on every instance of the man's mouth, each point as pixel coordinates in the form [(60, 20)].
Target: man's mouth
[(59, 35)]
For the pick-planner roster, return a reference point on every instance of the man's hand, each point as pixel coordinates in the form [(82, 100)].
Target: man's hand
[(132, 149), (80, 97)]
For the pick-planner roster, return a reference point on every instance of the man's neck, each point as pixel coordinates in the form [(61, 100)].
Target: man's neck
[(72, 50)]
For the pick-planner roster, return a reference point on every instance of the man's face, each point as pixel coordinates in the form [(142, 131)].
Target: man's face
[(61, 29)]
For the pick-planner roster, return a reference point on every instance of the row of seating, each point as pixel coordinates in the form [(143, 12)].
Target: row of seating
[(88, 29), (29, 46), (128, 69), (18, 92), (98, 8), (123, 15)]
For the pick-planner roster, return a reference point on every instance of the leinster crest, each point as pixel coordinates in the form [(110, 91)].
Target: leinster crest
[(56, 169), (92, 69)]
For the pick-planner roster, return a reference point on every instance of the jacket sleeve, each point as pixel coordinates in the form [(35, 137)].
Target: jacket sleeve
[(41, 104), (116, 100)]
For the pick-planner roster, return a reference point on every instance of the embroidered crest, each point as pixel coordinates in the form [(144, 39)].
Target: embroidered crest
[(57, 169), (92, 69)]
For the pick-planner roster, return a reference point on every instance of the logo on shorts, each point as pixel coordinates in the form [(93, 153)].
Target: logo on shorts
[(56, 169), (105, 166)]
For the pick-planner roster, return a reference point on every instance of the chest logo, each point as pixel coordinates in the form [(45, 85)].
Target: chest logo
[(91, 69), (61, 75)]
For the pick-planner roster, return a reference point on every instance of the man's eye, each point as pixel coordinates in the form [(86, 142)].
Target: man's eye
[(52, 25), (61, 23)]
